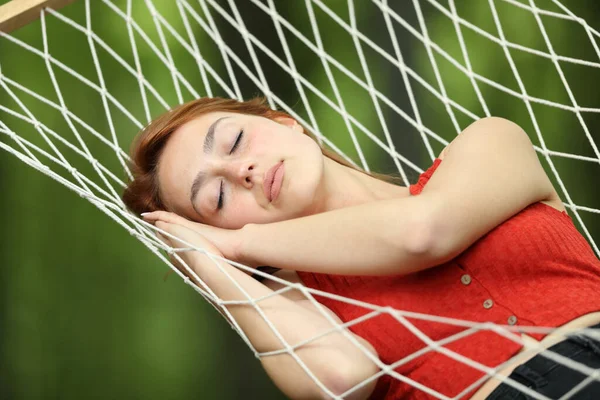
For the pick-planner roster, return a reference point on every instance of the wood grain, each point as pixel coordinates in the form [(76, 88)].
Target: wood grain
[(18, 13)]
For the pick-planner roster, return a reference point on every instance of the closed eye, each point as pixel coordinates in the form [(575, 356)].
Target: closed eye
[(235, 146), (237, 141), (220, 202)]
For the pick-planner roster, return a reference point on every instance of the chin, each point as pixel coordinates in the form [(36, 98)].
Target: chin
[(302, 183), (302, 200)]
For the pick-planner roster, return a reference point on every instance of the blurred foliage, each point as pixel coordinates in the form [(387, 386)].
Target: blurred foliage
[(85, 312)]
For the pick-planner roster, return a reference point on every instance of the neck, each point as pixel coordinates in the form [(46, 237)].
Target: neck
[(345, 187)]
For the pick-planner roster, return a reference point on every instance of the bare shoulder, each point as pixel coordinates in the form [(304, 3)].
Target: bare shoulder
[(490, 126), (490, 172), (505, 138)]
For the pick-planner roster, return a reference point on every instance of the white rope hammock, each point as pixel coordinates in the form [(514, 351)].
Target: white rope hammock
[(193, 53)]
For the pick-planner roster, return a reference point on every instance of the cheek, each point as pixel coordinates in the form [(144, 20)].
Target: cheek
[(242, 212), (261, 144)]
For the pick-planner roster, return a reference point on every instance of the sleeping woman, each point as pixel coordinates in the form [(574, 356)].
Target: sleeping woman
[(482, 236)]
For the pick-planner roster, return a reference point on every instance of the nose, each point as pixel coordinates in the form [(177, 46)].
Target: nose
[(242, 173)]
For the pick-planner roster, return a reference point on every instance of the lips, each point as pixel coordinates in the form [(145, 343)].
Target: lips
[(272, 181)]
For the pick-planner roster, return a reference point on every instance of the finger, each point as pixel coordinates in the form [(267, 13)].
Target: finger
[(165, 227), (168, 242), (154, 216), (166, 217), (175, 230), (163, 231), (162, 238), (165, 240)]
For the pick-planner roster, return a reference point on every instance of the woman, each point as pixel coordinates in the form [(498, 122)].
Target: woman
[(484, 238)]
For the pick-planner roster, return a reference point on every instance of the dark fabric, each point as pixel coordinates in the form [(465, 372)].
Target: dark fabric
[(553, 379), (265, 269)]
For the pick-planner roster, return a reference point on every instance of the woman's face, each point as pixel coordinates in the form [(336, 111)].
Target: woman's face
[(228, 170)]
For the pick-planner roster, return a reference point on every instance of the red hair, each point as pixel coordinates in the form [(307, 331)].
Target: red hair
[(142, 193)]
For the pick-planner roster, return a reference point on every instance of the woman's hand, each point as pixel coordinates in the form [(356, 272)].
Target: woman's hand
[(226, 241), (197, 261)]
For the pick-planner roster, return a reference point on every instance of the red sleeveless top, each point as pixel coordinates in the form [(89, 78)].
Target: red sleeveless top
[(534, 269)]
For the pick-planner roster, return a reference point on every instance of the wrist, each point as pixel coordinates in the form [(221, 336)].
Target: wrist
[(243, 248)]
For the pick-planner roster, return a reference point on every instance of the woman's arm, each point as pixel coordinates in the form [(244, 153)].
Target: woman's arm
[(333, 359), (491, 173), (378, 238)]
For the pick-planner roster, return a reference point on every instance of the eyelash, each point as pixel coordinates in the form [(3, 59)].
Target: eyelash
[(237, 141), (220, 203), (235, 146)]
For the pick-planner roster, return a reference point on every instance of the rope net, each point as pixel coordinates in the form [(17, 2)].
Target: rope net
[(385, 84)]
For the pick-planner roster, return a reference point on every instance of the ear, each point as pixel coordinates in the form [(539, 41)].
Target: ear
[(290, 123)]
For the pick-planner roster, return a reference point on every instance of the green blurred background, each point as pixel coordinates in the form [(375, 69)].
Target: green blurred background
[(85, 311)]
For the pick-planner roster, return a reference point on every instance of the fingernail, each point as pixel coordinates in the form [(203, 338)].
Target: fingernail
[(144, 214)]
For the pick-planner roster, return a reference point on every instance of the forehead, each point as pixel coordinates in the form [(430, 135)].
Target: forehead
[(181, 145)]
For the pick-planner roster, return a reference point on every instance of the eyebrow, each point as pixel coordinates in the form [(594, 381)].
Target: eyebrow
[(208, 146)]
